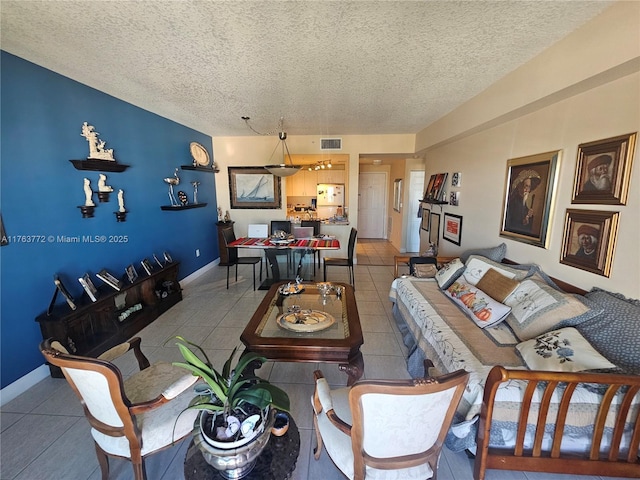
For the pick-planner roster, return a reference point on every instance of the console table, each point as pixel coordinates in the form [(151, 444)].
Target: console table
[(94, 327), (276, 462)]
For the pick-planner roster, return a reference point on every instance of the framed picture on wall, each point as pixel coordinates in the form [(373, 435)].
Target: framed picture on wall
[(397, 194), (529, 194), (589, 240), (253, 187), (452, 229), (432, 180), (434, 228), (603, 171), (426, 215)]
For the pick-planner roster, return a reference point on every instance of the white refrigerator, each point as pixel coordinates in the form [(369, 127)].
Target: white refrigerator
[(330, 200)]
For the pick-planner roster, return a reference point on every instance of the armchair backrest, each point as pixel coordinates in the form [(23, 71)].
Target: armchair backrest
[(402, 424), (99, 386)]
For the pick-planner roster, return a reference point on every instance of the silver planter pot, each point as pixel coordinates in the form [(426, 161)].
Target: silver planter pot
[(233, 463)]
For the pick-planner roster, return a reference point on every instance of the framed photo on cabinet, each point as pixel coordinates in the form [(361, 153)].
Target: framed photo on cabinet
[(603, 171)]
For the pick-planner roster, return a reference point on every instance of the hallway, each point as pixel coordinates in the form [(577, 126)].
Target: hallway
[(370, 251)]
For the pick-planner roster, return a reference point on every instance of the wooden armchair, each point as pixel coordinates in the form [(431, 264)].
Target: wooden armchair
[(376, 426), (129, 418)]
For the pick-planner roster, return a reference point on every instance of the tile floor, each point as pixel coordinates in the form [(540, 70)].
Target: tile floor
[(45, 435)]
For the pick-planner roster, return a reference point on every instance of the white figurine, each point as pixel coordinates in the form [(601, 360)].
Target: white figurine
[(88, 193), (96, 149), (195, 191), (121, 201), (102, 184)]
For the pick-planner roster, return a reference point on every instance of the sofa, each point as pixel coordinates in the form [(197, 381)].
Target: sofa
[(554, 372)]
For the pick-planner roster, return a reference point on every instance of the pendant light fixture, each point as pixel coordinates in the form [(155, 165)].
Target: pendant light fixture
[(282, 169)]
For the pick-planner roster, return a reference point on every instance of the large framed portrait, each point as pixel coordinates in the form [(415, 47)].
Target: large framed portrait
[(452, 228), (253, 187), (589, 240), (603, 171), (529, 195)]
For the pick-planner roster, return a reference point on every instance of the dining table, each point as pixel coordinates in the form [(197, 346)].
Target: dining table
[(300, 245)]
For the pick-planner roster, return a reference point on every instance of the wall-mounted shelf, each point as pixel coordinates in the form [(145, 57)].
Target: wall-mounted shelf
[(97, 165), (434, 202), (200, 169), (183, 207)]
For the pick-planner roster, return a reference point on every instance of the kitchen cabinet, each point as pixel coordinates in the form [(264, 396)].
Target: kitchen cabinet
[(331, 176), (302, 184)]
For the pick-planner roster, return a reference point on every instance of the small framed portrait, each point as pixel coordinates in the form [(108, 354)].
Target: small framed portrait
[(529, 194), (426, 216), (434, 228), (452, 229), (158, 262), (603, 171), (454, 198), (147, 265), (589, 240), (167, 257), (132, 273), (253, 187), (456, 179)]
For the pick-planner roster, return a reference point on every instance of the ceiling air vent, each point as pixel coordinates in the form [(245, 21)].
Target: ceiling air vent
[(330, 144)]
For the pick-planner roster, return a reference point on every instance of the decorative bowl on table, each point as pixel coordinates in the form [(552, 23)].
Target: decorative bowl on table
[(290, 289), (305, 321)]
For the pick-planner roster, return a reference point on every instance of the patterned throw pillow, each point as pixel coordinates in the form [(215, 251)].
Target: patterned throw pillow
[(563, 350), (477, 305), (477, 266), (537, 308), (449, 273), (614, 333)]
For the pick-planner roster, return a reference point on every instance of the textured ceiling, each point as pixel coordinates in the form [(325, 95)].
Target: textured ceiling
[(328, 68)]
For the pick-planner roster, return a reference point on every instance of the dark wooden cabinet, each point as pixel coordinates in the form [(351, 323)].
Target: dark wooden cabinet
[(94, 327)]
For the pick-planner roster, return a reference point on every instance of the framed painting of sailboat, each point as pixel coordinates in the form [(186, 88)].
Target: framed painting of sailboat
[(253, 187)]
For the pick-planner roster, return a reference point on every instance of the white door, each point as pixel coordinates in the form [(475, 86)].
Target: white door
[(372, 204), (416, 187)]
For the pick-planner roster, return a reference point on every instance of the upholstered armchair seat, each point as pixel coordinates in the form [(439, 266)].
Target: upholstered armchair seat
[(386, 429), (129, 418)]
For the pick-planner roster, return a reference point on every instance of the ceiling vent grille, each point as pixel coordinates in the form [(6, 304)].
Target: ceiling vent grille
[(330, 144)]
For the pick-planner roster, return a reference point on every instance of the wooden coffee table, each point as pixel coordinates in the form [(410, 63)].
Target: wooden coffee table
[(339, 343)]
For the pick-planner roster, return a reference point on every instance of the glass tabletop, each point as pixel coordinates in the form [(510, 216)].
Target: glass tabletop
[(305, 315)]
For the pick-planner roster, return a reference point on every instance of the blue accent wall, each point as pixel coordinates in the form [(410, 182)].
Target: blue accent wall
[(42, 115)]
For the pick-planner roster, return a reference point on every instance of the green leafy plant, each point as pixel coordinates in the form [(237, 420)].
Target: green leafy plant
[(231, 388)]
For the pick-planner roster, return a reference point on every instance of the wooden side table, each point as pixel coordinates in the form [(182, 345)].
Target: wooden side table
[(276, 462), (398, 260)]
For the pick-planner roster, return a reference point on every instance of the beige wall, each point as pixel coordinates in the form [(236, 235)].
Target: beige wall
[(256, 150), (585, 88)]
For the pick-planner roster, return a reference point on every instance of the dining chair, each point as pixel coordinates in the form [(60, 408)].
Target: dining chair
[(234, 259), (382, 429), (285, 226), (344, 262), (131, 418), (316, 231)]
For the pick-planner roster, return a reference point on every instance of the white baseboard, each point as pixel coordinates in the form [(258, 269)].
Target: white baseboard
[(23, 384)]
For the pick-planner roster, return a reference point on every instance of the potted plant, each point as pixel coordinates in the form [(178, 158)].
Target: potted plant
[(238, 409)]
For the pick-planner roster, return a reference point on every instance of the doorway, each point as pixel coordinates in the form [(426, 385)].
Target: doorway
[(416, 187), (372, 204)]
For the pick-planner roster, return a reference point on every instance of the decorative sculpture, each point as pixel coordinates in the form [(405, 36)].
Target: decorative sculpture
[(103, 189), (220, 216), (88, 208), (195, 191), (96, 147), (227, 217), (121, 214), (173, 181), (88, 193)]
